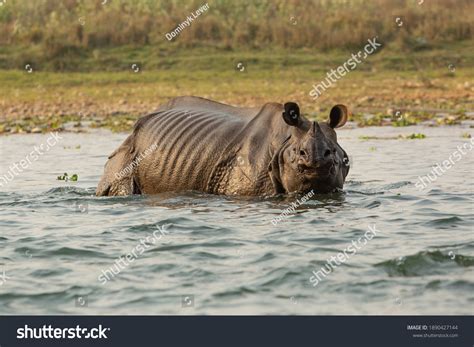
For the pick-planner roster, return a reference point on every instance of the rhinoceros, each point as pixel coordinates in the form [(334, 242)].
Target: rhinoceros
[(193, 143)]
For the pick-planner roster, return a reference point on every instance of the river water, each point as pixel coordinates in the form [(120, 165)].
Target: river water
[(222, 255)]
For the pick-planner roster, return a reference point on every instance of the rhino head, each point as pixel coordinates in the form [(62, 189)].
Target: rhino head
[(310, 159)]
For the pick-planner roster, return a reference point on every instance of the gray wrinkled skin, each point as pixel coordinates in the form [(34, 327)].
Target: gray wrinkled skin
[(199, 144)]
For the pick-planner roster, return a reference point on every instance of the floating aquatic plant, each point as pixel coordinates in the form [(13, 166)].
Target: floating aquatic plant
[(414, 136), (66, 177)]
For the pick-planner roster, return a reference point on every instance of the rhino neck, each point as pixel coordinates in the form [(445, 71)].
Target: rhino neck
[(238, 173), (249, 163), (274, 167)]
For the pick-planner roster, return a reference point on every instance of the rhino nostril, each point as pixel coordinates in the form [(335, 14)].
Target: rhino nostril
[(327, 153), (303, 153)]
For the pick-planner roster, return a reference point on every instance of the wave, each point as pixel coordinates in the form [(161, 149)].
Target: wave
[(425, 263)]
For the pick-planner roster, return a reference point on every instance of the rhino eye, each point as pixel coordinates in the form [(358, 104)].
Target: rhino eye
[(302, 152)]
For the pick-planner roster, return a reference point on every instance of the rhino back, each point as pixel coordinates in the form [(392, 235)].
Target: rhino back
[(187, 145), (198, 103)]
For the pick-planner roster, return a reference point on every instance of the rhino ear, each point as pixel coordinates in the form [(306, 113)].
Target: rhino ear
[(291, 115), (338, 116)]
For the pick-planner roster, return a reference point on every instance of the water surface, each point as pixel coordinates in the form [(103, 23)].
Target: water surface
[(222, 255)]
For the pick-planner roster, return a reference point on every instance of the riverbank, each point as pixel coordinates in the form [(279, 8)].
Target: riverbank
[(388, 89)]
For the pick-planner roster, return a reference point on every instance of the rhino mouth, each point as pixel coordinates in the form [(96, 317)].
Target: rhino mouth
[(311, 173)]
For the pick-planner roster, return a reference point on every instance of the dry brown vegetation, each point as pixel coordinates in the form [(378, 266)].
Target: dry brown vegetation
[(57, 25)]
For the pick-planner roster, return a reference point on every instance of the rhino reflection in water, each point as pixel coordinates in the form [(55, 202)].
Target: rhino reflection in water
[(203, 145)]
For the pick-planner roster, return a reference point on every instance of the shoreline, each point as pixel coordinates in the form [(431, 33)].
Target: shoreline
[(117, 122)]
